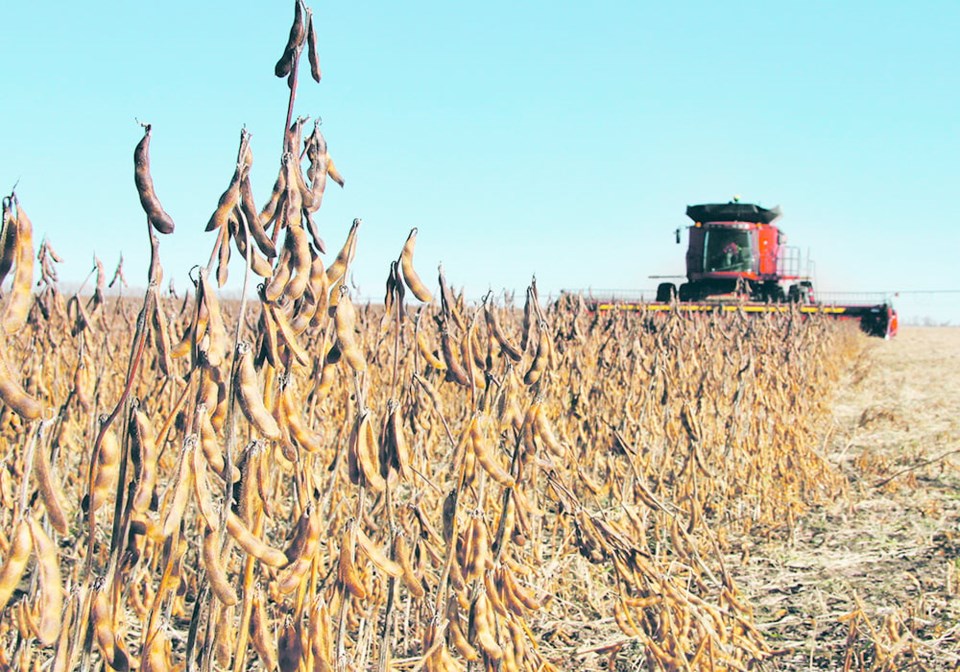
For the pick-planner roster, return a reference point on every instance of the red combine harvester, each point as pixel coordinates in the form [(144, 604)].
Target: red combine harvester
[(737, 260)]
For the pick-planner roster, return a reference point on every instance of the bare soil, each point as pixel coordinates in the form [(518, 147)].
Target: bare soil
[(872, 581)]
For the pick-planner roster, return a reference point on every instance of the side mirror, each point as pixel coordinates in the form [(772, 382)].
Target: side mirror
[(677, 234)]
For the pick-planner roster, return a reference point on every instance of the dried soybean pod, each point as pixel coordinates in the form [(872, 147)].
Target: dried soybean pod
[(479, 558), (314, 232), (210, 445), (293, 215), (449, 515), (248, 500), (21, 293), (249, 207), (182, 487), (252, 544), (306, 310), (539, 364), (486, 455), (306, 529), (333, 172), (521, 593), (428, 353), (369, 456), (318, 284), (547, 435), (321, 167), (377, 556), (292, 575), (473, 369), (258, 263), (201, 490), (321, 636), (156, 215), (15, 562), (269, 211), (101, 616), (228, 201), (400, 456), (623, 621), (337, 269), (216, 573), (155, 270), (157, 655), (260, 637), (223, 261), (290, 646), (529, 434), (490, 583), (144, 446), (480, 629), (251, 399), (300, 261), (312, 53), (363, 459), (402, 552), (50, 609), (509, 599), (281, 276), (161, 337), (346, 567), (455, 372), (455, 634), (207, 394), (328, 374), (399, 290), (107, 471), (50, 491), (269, 338), (291, 144), (410, 277), (494, 325), (509, 662), (449, 303), (305, 437), (345, 320), (528, 320), (517, 638), (294, 40), (216, 341)]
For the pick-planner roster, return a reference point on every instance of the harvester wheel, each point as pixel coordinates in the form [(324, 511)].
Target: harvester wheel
[(666, 292), (773, 293), (688, 292)]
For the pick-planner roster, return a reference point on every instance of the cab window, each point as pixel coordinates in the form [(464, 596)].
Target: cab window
[(727, 250)]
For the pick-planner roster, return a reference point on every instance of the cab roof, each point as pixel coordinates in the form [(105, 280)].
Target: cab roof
[(733, 212)]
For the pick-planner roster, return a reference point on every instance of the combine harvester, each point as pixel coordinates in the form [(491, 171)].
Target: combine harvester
[(737, 260)]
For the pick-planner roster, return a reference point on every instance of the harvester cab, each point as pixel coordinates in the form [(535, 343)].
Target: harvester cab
[(736, 249)]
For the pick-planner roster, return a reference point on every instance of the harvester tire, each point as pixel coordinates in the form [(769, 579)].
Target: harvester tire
[(666, 292), (688, 292)]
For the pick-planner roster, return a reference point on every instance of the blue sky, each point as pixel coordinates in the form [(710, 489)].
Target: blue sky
[(561, 139)]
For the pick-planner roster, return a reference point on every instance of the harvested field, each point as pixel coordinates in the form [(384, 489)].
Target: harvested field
[(873, 580)]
